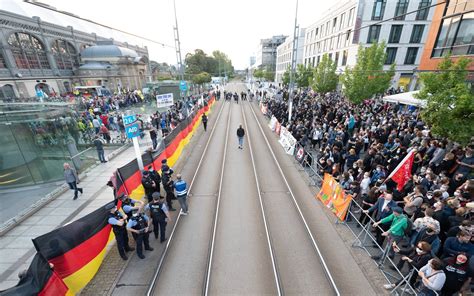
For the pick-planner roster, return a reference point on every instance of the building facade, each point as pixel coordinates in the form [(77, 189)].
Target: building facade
[(451, 31), (265, 56), (285, 55), (38, 55), (352, 22)]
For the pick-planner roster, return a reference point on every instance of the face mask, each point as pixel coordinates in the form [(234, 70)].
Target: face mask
[(457, 193), (419, 251), (135, 215), (379, 169)]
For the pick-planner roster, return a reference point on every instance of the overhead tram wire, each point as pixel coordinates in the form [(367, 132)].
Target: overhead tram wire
[(99, 24)]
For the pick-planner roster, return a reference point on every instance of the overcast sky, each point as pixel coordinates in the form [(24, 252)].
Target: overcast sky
[(232, 26)]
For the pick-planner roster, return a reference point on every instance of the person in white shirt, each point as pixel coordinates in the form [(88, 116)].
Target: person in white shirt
[(432, 277), (364, 184)]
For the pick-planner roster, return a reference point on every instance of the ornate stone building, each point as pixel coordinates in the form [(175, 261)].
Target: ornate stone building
[(35, 55)]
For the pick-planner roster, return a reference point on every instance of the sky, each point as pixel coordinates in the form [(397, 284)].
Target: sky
[(231, 26)]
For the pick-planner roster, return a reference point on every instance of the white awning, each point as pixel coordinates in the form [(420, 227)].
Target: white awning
[(406, 98)]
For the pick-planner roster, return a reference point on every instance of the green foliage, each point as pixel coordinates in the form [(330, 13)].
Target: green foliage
[(449, 101), (324, 75), (367, 78), (202, 78), (286, 77), (269, 75), (303, 75), (199, 61), (258, 73)]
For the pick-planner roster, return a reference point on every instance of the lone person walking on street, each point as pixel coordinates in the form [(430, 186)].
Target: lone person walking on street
[(100, 148), (181, 193), (72, 179), (240, 135), (204, 121)]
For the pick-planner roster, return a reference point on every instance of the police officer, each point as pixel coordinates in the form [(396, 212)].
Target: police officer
[(168, 185), (128, 204), (165, 168), (138, 225), (155, 176), (148, 184), (181, 194), (118, 221), (159, 215)]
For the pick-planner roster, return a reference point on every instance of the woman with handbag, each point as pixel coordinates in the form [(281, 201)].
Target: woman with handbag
[(432, 278)]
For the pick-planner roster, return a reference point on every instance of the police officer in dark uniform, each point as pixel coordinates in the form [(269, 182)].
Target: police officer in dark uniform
[(155, 176), (168, 185), (159, 215), (118, 221), (138, 225), (165, 168), (148, 184), (204, 121)]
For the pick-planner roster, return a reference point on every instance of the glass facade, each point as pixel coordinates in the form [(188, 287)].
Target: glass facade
[(37, 140), (456, 35)]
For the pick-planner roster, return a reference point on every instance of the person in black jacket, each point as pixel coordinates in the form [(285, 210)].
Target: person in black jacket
[(148, 184), (240, 136), (415, 257), (204, 121)]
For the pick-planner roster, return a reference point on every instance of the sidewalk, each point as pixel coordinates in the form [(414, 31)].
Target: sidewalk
[(16, 247)]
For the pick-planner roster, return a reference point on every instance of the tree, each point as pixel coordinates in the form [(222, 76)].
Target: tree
[(324, 75), (202, 78), (303, 75), (286, 77), (449, 101), (269, 75), (367, 77), (217, 63), (258, 73)]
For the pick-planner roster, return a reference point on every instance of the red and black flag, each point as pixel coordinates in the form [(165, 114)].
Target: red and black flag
[(40, 279), (77, 249)]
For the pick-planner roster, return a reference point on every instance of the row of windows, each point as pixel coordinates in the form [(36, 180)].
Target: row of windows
[(410, 57), (400, 10), (29, 52), (456, 36), (315, 61), (334, 42), (395, 34), (338, 23)]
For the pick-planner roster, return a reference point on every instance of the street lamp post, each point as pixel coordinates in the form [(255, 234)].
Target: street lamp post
[(293, 65)]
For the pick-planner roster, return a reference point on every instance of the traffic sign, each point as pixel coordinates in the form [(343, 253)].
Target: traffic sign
[(131, 126), (183, 86)]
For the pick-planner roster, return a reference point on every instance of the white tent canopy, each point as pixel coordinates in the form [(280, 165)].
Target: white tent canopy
[(406, 98)]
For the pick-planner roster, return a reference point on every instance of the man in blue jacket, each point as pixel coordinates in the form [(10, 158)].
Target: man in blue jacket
[(454, 246), (383, 208), (181, 194)]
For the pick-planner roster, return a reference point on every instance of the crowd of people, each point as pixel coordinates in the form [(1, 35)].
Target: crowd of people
[(428, 222)]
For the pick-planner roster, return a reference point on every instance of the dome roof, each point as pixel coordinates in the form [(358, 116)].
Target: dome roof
[(97, 66), (107, 51)]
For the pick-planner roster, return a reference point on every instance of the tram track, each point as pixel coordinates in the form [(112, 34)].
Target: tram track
[(287, 278)]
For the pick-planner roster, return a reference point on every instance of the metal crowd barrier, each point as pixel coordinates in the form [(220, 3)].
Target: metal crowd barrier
[(364, 239)]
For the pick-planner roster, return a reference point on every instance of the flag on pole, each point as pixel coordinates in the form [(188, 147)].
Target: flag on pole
[(402, 173)]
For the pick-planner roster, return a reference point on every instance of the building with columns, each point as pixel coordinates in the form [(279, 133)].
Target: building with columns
[(39, 55)]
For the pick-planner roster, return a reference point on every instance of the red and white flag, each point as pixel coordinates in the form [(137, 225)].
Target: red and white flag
[(402, 173)]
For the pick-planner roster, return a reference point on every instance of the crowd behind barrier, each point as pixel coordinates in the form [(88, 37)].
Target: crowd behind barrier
[(419, 232), (68, 257)]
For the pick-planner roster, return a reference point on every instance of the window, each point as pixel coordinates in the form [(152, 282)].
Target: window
[(351, 17), (7, 93), (65, 54), (316, 34), (344, 58), (348, 35), (456, 36), (336, 59), (401, 9), (411, 55), (342, 19), (3, 65), (423, 12), (417, 33), (395, 34), (327, 27), (28, 51), (379, 8), (334, 23), (319, 59), (391, 55), (374, 32)]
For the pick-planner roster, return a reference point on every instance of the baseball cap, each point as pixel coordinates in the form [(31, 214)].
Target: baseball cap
[(156, 195), (397, 210)]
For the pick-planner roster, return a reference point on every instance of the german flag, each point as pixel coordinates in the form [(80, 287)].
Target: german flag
[(40, 279), (174, 143), (77, 249)]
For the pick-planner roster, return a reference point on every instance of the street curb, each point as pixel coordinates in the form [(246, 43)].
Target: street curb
[(31, 210)]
